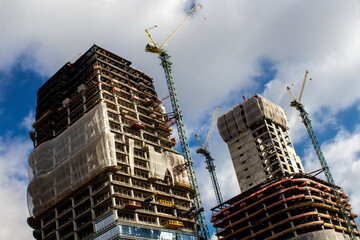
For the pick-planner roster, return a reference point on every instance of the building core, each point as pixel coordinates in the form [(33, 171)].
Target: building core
[(259, 144), (104, 164)]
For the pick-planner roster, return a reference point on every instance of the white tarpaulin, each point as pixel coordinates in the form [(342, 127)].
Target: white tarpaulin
[(63, 163), (248, 113), (160, 163)]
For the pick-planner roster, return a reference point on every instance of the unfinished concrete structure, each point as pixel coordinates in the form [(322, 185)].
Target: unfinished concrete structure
[(104, 165), (258, 141), (278, 200), (296, 207)]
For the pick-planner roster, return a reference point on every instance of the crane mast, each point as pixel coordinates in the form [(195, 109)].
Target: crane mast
[(307, 122), (167, 66), (210, 161)]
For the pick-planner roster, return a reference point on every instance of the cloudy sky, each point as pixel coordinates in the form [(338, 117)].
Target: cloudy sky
[(227, 50)]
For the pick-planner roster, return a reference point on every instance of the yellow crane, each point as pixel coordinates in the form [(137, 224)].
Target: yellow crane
[(158, 48)]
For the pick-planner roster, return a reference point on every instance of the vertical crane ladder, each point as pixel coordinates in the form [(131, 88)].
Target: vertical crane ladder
[(209, 160), (166, 64), (211, 167)]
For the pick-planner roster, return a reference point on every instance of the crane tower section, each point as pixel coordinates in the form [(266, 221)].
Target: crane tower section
[(153, 47), (210, 161), (296, 103)]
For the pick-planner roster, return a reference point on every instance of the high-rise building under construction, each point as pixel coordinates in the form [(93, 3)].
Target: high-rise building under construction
[(278, 200), (104, 164), (258, 141)]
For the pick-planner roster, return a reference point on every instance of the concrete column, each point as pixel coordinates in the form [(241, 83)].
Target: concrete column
[(136, 217), (112, 191), (157, 221), (155, 209), (68, 117), (84, 103), (56, 224), (98, 75)]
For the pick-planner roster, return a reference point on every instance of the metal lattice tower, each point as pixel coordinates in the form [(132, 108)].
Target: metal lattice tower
[(166, 64), (296, 103), (209, 160), (307, 122), (211, 167)]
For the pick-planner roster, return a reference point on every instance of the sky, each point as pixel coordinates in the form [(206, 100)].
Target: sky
[(227, 50)]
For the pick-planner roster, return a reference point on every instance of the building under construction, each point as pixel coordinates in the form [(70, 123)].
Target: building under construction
[(278, 200), (104, 165)]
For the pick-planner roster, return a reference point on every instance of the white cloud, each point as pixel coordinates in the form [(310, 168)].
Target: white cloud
[(214, 237), (13, 183), (214, 58), (27, 122)]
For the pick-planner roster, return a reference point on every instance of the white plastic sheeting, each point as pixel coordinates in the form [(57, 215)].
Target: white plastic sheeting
[(252, 111), (61, 164), (160, 163), (180, 177), (273, 112)]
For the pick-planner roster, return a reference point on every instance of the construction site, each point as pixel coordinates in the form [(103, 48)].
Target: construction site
[(278, 200), (105, 166)]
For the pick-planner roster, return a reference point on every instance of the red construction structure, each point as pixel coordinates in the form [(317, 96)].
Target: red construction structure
[(284, 208)]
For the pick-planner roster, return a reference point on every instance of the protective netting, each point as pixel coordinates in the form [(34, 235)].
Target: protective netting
[(161, 163), (273, 112), (63, 163), (250, 112)]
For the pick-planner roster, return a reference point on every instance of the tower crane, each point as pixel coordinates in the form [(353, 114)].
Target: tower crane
[(296, 103), (209, 160), (153, 47)]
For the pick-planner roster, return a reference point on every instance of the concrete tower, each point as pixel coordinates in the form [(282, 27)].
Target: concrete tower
[(104, 165), (258, 141), (278, 200)]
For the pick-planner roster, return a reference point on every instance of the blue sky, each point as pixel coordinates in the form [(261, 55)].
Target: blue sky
[(229, 49)]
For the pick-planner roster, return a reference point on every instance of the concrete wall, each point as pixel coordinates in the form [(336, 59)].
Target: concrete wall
[(329, 234)]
